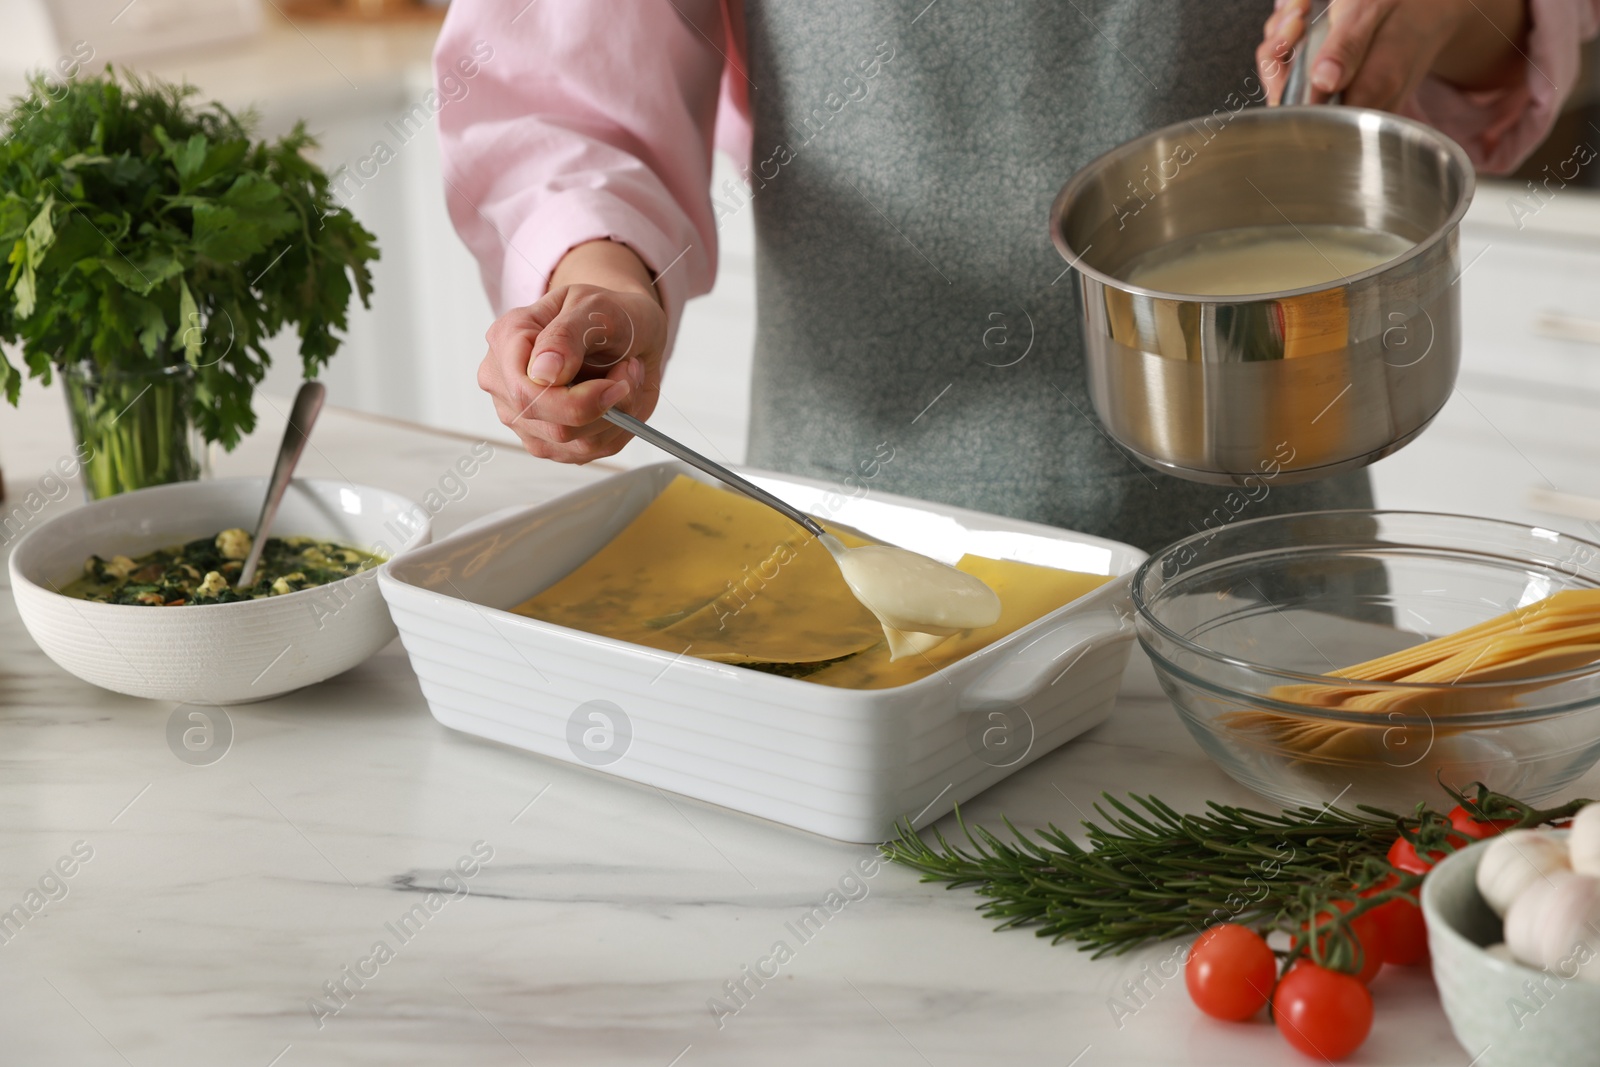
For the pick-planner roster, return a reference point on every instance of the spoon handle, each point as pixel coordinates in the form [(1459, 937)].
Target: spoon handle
[(307, 404), (716, 470)]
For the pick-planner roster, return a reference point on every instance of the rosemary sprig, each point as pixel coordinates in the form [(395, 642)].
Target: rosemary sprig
[(1149, 873)]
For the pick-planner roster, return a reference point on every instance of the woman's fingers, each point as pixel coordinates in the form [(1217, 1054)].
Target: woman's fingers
[(564, 411), (503, 372), (568, 444), (1374, 54), (556, 366), (582, 418), (558, 352), (1279, 36), (1403, 49), (1353, 24)]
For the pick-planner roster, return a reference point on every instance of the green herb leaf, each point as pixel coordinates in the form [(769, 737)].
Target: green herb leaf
[(193, 336), (27, 254), (189, 158), (145, 276), (21, 282), (152, 329), (41, 232)]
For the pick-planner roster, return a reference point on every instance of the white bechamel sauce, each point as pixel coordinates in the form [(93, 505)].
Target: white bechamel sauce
[(919, 601), (1263, 259)]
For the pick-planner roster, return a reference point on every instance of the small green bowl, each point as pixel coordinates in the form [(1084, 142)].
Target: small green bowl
[(1503, 1013)]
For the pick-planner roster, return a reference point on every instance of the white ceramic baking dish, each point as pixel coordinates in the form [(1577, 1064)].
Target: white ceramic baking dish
[(840, 762)]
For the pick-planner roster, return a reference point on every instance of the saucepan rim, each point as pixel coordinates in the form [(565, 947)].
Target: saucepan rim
[(1335, 113)]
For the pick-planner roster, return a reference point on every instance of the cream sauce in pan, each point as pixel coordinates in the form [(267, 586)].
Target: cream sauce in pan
[(1263, 259)]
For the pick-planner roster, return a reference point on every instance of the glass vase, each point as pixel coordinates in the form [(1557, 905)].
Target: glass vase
[(133, 427)]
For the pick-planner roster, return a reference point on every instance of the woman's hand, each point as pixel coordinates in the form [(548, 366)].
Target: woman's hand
[(1377, 51), (555, 366)]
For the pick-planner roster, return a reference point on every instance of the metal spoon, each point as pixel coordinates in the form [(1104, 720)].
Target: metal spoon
[(307, 404), (716, 470)]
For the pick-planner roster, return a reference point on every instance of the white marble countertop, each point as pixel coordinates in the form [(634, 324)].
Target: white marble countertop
[(218, 900)]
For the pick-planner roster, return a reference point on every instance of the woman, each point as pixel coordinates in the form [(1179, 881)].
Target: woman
[(902, 157)]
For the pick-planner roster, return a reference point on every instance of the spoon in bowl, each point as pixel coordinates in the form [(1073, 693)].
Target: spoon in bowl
[(920, 602), (307, 404)]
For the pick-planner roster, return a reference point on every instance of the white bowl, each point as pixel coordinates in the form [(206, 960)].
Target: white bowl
[(841, 762), (1503, 1013), (211, 653)]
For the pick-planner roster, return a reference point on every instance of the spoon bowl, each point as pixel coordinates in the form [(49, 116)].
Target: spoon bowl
[(918, 600)]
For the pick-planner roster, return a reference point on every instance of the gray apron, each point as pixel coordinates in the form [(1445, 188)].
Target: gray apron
[(910, 303)]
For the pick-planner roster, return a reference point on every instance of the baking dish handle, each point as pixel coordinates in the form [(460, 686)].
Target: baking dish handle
[(1037, 666)]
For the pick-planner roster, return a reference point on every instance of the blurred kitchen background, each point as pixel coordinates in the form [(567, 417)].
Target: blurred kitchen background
[(1520, 440)]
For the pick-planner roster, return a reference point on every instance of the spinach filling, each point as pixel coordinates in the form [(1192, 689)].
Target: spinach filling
[(204, 571)]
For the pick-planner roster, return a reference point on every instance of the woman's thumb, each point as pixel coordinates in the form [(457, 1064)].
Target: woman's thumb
[(557, 354)]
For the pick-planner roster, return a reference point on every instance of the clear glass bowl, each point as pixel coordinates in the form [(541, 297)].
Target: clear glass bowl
[(1245, 622)]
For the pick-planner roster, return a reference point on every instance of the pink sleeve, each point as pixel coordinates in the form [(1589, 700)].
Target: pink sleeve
[(582, 120), (1500, 127)]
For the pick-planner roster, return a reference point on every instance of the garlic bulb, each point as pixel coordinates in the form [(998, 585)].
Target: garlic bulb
[(1526, 913), (1554, 925), (1583, 843), (1516, 860)]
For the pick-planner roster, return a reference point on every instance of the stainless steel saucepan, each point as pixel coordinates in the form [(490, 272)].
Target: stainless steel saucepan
[(1292, 385)]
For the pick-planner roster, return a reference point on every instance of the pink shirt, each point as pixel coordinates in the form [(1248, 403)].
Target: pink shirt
[(591, 119)]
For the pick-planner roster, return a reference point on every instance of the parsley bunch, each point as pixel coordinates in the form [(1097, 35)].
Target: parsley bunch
[(143, 231)]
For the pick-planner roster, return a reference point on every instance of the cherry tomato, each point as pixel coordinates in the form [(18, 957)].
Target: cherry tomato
[(1324, 1014), (1368, 931), (1478, 829), (1403, 855), (1230, 972), (1405, 935)]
